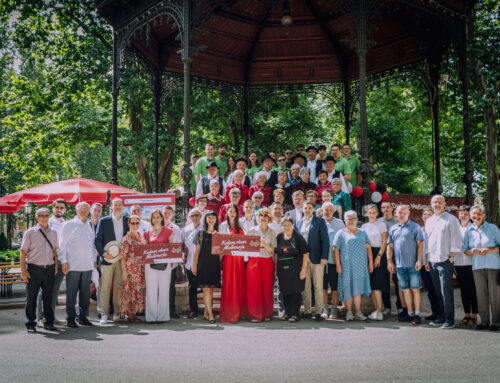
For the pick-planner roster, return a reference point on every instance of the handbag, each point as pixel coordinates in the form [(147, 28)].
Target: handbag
[(156, 266)]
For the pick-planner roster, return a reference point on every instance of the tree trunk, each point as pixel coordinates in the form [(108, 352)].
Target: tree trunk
[(167, 157)]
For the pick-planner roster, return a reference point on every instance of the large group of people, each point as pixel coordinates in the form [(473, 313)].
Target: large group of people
[(311, 242)]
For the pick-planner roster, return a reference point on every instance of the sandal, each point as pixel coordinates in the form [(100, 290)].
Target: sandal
[(465, 321), (472, 322), (293, 319)]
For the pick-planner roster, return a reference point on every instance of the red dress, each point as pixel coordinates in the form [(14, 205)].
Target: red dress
[(243, 189), (320, 189), (223, 210), (233, 304), (214, 203), (266, 190)]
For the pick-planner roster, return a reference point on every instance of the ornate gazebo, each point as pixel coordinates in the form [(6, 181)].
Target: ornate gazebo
[(248, 45)]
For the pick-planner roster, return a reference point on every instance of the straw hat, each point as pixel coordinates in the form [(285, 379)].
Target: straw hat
[(113, 250)]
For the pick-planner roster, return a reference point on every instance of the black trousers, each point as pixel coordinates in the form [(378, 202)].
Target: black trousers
[(193, 287), (40, 277), (465, 280), (292, 304), (431, 292), (172, 290), (386, 297)]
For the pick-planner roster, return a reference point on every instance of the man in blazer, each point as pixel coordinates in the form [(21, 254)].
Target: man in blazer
[(111, 228), (315, 232), (298, 199)]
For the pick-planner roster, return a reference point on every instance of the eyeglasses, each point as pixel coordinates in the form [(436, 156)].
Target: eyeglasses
[(43, 216), (195, 215), (256, 197), (263, 215), (134, 223)]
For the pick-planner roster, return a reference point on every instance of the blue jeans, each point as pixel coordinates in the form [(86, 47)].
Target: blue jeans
[(442, 279), (78, 282)]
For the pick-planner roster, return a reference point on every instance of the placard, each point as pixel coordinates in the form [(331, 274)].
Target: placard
[(157, 253), (232, 244), (149, 199)]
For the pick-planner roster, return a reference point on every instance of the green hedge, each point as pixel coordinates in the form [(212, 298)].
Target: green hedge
[(8, 255)]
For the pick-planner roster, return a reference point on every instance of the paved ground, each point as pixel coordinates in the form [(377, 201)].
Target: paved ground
[(195, 351)]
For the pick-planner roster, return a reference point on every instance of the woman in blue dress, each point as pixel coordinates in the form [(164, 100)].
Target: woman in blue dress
[(354, 260)]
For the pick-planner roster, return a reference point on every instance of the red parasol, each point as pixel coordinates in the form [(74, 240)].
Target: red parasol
[(9, 209), (73, 191)]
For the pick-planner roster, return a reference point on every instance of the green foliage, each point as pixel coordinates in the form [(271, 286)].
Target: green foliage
[(9, 255)]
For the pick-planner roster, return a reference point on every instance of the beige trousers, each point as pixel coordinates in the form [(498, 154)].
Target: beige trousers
[(111, 276), (314, 273)]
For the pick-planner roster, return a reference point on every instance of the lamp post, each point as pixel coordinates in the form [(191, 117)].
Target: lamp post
[(28, 210)]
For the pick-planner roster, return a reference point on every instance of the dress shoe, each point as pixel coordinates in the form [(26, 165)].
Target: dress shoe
[(84, 322), (31, 330), (174, 315), (493, 327), (72, 324), (192, 315), (318, 318), (306, 316), (49, 327)]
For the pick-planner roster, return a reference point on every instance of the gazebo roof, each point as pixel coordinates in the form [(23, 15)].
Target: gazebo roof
[(245, 40)]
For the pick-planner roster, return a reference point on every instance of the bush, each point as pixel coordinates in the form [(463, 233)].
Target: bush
[(8, 255)]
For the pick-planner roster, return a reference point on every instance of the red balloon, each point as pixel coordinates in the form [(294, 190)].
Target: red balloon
[(385, 196), (192, 201), (357, 191), (372, 186)]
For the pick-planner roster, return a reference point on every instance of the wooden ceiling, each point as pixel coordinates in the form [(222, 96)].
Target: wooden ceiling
[(246, 41)]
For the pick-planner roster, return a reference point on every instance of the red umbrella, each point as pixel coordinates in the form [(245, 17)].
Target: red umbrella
[(9, 209), (73, 191)]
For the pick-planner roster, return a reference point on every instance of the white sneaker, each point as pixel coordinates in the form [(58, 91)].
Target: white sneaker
[(380, 316), (104, 319), (40, 323), (349, 316), (116, 317), (333, 313), (358, 315), (325, 312), (386, 311), (281, 313), (373, 315)]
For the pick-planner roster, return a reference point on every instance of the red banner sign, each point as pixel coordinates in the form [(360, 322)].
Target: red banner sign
[(418, 203), (231, 244), (157, 253)]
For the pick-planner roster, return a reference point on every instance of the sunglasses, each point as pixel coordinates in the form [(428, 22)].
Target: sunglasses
[(134, 223), (263, 215), (282, 160), (289, 153)]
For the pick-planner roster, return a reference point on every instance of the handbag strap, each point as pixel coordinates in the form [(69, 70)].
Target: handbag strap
[(44, 236)]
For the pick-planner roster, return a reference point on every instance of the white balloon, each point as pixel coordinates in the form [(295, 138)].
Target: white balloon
[(376, 197), (349, 187)]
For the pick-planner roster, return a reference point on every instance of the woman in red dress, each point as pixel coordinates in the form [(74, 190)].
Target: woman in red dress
[(233, 304), (238, 184), (235, 196), (261, 186)]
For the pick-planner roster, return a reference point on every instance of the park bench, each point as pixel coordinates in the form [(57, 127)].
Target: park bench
[(10, 274)]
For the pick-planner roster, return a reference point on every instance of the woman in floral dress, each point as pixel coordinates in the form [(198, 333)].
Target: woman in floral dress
[(134, 285)]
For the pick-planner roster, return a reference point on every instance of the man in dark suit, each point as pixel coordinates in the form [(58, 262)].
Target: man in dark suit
[(111, 228), (298, 199), (271, 175), (315, 231)]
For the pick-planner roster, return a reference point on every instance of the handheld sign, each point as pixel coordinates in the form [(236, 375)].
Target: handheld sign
[(232, 244), (157, 253)]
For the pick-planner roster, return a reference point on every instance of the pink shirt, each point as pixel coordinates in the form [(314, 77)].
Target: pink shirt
[(38, 251), (162, 237)]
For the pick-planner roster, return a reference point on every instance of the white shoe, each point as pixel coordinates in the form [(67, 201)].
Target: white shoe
[(40, 323), (380, 316), (349, 316), (358, 315), (333, 313), (116, 317), (325, 312), (373, 315), (386, 311), (104, 319), (281, 313)]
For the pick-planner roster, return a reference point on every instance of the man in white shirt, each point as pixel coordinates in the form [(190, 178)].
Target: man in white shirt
[(78, 258), (313, 164), (444, 241), (56, 223), (298, 199), (188, 235), (329, 165), (144, 226), (168, 213)]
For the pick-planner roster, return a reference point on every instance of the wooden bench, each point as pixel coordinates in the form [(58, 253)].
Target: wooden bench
[(10, 274)]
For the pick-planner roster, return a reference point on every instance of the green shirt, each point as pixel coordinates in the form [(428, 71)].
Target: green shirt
[(341, 165), (222, 164), (254, 169), (355, 165), (342, 199)]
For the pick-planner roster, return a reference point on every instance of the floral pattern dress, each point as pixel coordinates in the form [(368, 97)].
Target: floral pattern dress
[(134, 289)]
